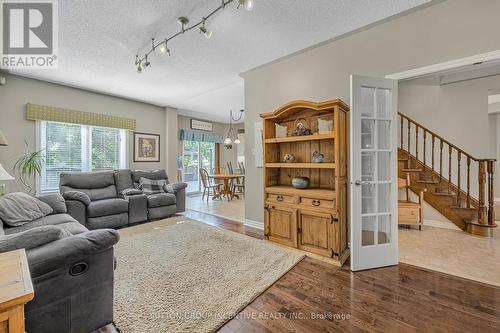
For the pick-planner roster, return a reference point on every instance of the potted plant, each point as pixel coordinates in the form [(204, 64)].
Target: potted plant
[(28, 166)]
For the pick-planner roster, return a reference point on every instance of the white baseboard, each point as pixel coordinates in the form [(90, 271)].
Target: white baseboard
[(254, 224)]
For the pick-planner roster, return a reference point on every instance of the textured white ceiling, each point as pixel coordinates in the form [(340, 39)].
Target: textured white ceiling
[(98, 40)]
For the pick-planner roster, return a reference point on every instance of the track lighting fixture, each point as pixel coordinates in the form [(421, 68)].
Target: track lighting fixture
[(205, 31), (142, 62)]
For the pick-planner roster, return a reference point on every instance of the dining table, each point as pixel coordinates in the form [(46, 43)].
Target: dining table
[(226, 190)]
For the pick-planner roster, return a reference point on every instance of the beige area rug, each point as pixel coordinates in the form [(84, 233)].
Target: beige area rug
[(181, 275)]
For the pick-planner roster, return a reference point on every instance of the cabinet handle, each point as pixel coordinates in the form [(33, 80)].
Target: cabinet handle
[(315, 202), (279, 198)]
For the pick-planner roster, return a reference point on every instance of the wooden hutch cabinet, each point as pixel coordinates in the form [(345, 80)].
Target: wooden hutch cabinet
[(312, 219)]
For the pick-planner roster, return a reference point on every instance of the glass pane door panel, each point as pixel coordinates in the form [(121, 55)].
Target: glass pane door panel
[(383, 103), (367, 166), (207, 155), (367, 134), (383, 134), (383, 198), (368, 205), (367, 102), (383, 165), (368, 229), (384, 229)]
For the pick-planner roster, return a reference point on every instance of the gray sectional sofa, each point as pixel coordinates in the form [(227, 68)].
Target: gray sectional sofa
[(72, 270), (70, 251), (112, 199)]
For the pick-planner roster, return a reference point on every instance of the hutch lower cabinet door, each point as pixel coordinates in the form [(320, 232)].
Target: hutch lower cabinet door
[(316, 232), (281, 224)]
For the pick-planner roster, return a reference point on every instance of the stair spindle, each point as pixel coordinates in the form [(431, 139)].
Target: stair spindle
[(433, 137), (449, 169), (408, 139), (440, 160), (468, 181), (416, 141), (459, 157), (402, 121), (425, 153), (491, 199)]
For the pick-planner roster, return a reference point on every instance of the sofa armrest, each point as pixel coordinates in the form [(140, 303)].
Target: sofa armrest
[(179, 189), (77, 210), (70, 250), (129, 192), (77, 196), (55, 201), (175, 187), (32, 238)]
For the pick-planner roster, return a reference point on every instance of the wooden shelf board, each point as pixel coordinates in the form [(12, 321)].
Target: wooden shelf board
[(324, 136), (313, 192), (301, 165)]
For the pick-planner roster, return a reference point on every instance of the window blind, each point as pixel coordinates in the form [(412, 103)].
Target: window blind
[(77, 148)]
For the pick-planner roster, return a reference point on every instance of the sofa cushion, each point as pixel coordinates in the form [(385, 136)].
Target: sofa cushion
[(107, 207), (55, 201), (20, 208), (123, 180), (151, 186), (77, 196), (32, 238), (149, 174), (55, 219), (74, 228), (97, 185), (161, 199), (1, 228)]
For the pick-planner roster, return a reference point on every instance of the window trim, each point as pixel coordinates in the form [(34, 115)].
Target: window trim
[(124, 146)]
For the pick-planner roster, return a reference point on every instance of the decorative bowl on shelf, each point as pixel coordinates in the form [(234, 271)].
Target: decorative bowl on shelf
[(288, 158), (300, 182), (317, 157), (301, 127)]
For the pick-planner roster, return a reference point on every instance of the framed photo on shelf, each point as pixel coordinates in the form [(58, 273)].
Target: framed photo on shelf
[(146, 147)]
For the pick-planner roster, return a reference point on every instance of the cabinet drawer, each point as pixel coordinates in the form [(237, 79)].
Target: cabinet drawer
[(281, 198), (408, 214), (321, 203)]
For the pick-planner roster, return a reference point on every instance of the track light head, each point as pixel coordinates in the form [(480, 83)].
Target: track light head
[(247, 4), (140, 68), (206, 32)]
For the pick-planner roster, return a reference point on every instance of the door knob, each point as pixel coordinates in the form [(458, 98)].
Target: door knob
[(361, 182)]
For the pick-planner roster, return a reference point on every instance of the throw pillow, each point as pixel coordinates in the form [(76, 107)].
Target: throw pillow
[(32, 238), (20, 208), (149, 186)]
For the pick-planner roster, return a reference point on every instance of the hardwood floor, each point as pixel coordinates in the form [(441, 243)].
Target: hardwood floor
[(318, 297)]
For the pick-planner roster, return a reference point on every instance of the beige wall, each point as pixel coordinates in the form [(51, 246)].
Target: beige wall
[(19, 91), (444, 31)]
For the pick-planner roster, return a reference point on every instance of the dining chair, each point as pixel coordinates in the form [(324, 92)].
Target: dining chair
[(208, 184)]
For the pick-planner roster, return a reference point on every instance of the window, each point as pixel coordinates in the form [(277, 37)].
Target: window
[(73, 148)]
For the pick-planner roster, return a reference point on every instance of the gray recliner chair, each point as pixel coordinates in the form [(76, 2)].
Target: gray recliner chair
[(92, 199), (72, 275)]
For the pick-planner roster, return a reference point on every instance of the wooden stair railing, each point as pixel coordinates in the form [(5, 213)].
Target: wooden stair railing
[(463, 199)]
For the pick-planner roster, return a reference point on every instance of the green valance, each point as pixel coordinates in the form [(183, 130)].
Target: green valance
[(191, 135), (49, 113)]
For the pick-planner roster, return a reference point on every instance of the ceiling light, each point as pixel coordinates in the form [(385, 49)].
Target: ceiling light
[(228, 141), (247, 4), (164, 48), (140, 68), (206, 32), (237, 141)]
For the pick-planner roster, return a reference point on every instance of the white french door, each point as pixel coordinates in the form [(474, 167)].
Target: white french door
[(373, 211)]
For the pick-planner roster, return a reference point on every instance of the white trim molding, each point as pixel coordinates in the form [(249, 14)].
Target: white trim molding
[(254, 224), (447, 65)]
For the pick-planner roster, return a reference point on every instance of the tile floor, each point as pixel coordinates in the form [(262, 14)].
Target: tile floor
[(232, 209), (453, 252)]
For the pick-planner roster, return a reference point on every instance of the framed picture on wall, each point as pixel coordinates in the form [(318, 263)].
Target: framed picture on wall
[(146, 147), (201, 125)]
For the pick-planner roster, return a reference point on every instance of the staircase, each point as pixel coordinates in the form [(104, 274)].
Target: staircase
[(456, 184)]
